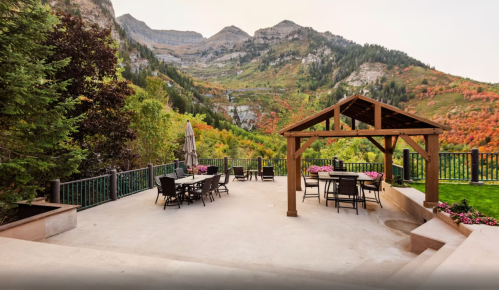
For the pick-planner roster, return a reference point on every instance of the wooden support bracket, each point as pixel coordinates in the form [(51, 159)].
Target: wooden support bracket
[(375, 143), (416, 147), (304, 147)]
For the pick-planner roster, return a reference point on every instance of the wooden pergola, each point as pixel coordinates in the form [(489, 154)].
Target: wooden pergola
[(389, 122)]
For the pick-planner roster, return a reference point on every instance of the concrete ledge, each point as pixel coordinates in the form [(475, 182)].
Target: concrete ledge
[(40, 220), (410, 200)]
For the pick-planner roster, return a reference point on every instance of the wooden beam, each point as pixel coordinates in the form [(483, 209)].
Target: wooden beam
[(364, 133), (298, 164), (431, 171), (353, 123), (416, 147), (394, 143), (377, 117), (327, 124), (291, 162), (337, 126), (388, 159), (304, 147), (376, 143)]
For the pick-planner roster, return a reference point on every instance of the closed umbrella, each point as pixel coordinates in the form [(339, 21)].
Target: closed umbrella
[(191, 158)]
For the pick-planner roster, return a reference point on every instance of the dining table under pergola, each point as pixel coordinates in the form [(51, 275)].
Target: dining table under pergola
[(388, 122)]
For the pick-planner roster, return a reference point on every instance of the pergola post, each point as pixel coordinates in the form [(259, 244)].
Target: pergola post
[(291, 177), (298, 165), (388, 159), (431, 171)]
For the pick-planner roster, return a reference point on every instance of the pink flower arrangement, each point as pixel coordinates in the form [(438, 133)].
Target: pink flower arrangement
[(316, 169), (199, 169), (372, 174), (468, 218)]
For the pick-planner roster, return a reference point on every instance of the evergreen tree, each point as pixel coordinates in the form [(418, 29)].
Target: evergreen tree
[(34, 132)]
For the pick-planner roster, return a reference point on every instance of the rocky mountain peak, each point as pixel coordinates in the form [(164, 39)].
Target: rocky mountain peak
[(234, 30), (278, 31), (139, 31)]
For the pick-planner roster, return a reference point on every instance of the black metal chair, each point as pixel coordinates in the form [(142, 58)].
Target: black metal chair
[(347, 186), (169, 190), (214, 186), (268, 173), (310, 182), (212, 170), (239, 174), (373, 187), (205, 189), (224, 183)]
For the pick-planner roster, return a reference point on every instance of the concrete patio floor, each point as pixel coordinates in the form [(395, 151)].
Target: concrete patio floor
[(249, 230)]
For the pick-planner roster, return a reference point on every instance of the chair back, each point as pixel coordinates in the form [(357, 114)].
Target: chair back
[(157, 180), (212, 170), (206, 185), (168, 186), (216, 180), (171, 175), (227, 176), (377, 181), (347, 185), (179, 172), (238, 171), (268, 171)]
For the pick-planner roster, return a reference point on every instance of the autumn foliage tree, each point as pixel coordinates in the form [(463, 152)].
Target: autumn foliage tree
[(92, 76)]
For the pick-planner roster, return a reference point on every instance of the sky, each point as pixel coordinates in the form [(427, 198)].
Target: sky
[(455, 36)]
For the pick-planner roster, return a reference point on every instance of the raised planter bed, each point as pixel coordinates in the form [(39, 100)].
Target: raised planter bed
[(40, 220)]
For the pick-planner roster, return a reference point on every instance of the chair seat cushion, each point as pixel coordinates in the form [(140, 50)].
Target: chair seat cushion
[(370, 186), (268, 176)]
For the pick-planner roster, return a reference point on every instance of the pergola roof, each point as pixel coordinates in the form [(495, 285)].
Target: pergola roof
[(362, 108)]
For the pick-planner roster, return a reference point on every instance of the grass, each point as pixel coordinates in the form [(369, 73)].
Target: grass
[(483, 198)]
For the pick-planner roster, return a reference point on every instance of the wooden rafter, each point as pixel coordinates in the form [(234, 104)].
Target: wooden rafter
[(394, 143), (375, 143), (364, 133), (416, 147), (304, 147)]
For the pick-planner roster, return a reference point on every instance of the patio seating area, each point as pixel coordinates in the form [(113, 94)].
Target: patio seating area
[(246, 229)]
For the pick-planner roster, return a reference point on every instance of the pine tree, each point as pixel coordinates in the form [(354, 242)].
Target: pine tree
[(34, 132)]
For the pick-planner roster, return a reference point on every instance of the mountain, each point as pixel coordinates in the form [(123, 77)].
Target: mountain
[(139, 31), (287, 72), (276, 32)]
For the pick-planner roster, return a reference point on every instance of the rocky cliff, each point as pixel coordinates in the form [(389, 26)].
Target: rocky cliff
[(276, 32), (140, 32)]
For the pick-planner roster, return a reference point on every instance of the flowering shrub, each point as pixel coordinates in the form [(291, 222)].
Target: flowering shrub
[(372, 174), (468, 218), (316, 169), (199, 169)]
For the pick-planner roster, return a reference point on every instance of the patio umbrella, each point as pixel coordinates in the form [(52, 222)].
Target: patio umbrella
[(191, 158)]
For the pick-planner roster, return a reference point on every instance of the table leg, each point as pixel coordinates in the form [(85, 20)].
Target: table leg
[(256, 176)]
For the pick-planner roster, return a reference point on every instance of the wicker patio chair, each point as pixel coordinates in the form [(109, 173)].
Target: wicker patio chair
[(224, 183), (239, 174), (199, 192), (268, 173), (347, 186), (169, 190), (310, 182), (157, 182), (212, 170), (214, 186), (373, 187)]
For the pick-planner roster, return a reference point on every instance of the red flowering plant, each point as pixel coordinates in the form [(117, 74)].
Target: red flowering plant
[(372, 174), (464, 213)]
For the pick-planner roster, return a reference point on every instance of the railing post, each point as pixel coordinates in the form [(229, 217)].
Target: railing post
[(474, 167), (151, 176), (177, 163), (406, 164), (340, 164), (55, 191), (226, 164), (114, 186), (259, 165)]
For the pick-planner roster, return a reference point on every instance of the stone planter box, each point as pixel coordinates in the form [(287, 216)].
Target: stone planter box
[(40, 220)]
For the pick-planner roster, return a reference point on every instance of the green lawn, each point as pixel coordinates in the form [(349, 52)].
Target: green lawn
[(483, 198)]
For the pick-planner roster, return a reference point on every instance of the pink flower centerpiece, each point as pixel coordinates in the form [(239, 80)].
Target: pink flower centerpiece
[(372, 174), (199, 169), (316, 169)]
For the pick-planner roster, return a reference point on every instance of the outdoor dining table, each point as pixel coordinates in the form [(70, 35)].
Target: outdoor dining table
[(188, 181), (328, 177)]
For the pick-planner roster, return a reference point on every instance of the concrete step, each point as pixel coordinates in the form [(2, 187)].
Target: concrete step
[(32, 265), (434, 235), (396, 281)]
